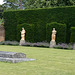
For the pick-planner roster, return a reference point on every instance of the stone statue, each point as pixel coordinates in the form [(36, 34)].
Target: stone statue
[(23, 34), (52, 42), (22, 41), (53, 34)]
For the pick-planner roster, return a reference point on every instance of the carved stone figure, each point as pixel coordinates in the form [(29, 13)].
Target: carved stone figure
[(22, 41), (52, 42), (53, 34), (23, 34)]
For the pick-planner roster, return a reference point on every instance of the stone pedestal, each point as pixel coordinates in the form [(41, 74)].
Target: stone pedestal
[(74, 47), (52, 44), (22, 42)]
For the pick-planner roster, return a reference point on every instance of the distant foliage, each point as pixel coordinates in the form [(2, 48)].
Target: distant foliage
[(72, 39), (34, 4), (1, 20), (60, 34), (1, 11)]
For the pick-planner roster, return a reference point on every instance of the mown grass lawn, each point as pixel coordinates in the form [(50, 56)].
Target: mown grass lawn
[(48, 61)]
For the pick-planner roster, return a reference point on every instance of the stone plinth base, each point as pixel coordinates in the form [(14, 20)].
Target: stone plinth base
[(52, 44), (74, 47), (13, 57), (5, 54), (15, 60), (22, 42)]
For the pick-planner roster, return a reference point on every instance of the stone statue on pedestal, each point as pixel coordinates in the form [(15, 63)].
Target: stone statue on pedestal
[(22, 41), (52, 42), (53, 34), (23, 34)]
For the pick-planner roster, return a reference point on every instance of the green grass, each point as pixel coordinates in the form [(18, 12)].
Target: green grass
[(48, 61)]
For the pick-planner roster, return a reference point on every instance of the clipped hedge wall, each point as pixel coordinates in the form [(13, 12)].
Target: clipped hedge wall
[(33, 32), (39, 32), (10, 25), (72, 39), (61, 31), (39, 17), (29, 35)]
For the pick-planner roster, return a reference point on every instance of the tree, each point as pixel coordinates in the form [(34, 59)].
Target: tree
[(11, 4), (20, 4), (1, 11), (31, 4), (64, 2)]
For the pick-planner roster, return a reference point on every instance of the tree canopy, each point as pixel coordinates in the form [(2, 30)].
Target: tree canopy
[(32, 4)]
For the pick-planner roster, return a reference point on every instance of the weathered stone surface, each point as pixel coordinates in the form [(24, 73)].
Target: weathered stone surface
[(12, 54), (22, 42), (52, 44), (13, 57), (15, 60)]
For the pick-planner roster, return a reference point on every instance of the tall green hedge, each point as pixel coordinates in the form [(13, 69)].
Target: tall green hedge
[(10, 24), (29, 35), (39, 32), (39, 17), (72, 39), (33, 32), (61, 31)]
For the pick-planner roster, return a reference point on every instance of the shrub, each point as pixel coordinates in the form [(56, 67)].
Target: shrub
[(29, 35), (9, 43), (10, 25), (72, 37), (38, 17), (61, 31), (39, 32), (37, 44), (64, 46)]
